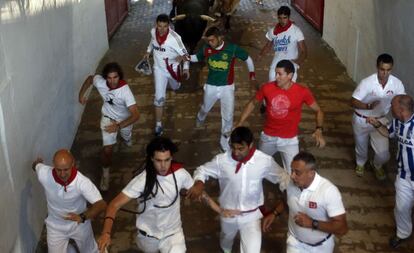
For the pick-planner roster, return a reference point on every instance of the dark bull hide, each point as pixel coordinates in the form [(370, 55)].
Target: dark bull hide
[(190, 20)]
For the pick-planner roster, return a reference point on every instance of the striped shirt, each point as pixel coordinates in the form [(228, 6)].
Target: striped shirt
[(403, 131)]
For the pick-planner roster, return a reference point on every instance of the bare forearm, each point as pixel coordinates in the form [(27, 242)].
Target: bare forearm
[(360, 105), (246, 112), (265, 48), (337, 228), (85, 86), (131, 119), (95, 209), (319, 118)]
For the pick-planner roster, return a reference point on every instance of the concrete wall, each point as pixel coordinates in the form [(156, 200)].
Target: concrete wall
[(360, 30), (47, 47)]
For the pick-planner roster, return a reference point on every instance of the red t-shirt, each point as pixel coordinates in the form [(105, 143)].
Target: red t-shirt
[(283, 108)]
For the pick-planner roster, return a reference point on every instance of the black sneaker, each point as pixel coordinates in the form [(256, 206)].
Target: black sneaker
[(395, 241)]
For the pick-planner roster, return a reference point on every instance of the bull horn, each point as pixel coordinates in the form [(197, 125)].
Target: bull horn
[(179, 17), (207, 18)]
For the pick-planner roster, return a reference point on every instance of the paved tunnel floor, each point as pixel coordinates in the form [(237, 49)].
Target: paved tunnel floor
[(369, 203)]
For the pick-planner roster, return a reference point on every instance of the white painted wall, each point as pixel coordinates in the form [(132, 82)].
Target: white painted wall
[(360, 30), (47, 47)]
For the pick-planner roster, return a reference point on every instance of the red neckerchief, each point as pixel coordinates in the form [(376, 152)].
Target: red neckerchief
[(244, 160), (173, 168), (161, 38), (279, 29), (120, 84), (73, 174)]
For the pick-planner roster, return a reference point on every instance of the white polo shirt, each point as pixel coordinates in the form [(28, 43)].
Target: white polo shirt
[(285, 44), (155, 221), (320, 201), (61, 202), (116, 101), (242, 191), (370, 90)]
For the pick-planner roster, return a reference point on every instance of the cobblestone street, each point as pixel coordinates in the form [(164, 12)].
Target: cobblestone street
[(369, 203)]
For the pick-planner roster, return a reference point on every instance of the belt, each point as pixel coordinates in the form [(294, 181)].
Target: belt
[(249, 211), (109, 118), (364, 117), (142, 232), (318, 243)]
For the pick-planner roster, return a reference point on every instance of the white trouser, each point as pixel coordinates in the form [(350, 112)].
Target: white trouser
[(293, 245), (226, 96), (404, 201), (161, 80), (288, 148), (250, 236), (364, 132), (272, 70), (57, 240), (170, 244), (110, 138)]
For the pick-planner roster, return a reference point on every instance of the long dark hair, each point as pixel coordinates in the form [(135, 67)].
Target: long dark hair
[(160, 144)]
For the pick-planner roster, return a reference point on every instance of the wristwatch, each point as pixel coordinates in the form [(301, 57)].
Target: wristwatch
[(315, 224), (83, 217)]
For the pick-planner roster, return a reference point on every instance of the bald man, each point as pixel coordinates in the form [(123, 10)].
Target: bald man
[(67, 193), (401, 128)]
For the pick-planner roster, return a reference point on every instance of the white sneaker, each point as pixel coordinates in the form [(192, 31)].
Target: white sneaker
[(104, 185)]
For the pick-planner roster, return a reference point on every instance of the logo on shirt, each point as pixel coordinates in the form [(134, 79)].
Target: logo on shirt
[(390, 93), (281, 45), (280, 106), (404, 141), (224, 56), (158, 48), (313, 205), (218, 64)]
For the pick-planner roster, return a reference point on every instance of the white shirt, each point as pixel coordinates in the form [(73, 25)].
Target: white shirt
[(285, 44), (320, 201), (155, 221), (370, 90), (170, 49), (121, 98), (242, 191), (61, 202)]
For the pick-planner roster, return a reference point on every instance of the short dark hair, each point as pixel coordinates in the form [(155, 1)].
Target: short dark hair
[(284, 10), (163, 18), (286, 65), (214, 30), (307, 158), (385, 58), (240, 135), (111, 68)]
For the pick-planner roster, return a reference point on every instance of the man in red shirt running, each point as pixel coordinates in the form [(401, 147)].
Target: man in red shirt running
[(284, 99)]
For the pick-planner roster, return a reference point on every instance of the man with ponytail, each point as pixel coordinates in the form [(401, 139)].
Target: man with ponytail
[(157, 190)]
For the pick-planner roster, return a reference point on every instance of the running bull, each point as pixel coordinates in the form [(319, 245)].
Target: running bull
[(191, 17)]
